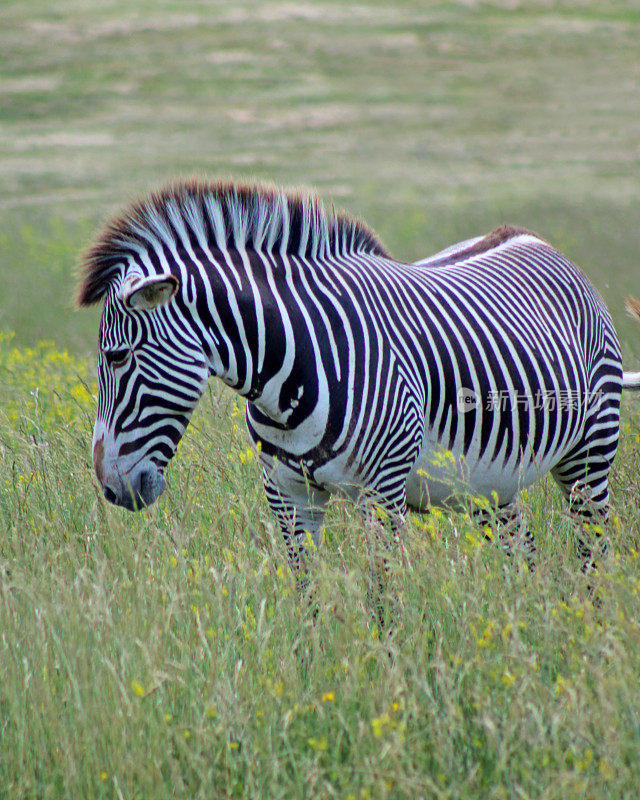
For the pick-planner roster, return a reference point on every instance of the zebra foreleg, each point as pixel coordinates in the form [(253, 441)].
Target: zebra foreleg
[(508, 525), (378, 547), (300, 519), (383, 524)]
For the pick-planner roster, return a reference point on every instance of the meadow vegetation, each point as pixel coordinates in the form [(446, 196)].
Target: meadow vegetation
[(165, 654)]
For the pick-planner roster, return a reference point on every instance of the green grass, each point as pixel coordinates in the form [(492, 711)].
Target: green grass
[(166, 654)]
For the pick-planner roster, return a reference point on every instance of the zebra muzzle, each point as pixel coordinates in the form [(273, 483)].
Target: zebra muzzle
[(135, 490)]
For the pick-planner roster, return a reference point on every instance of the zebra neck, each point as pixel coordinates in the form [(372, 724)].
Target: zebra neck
[(247, 330), (260, 338)]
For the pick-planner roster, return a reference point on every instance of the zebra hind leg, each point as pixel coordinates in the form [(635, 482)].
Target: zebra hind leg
[(583, 474), (591, 522), (508, 524), (589, 517), (583, 480), (589, 513)]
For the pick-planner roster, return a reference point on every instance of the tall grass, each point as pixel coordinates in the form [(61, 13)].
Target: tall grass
[(166, 654)]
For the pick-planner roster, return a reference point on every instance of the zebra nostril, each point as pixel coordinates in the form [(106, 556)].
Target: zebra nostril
[(110, 495)]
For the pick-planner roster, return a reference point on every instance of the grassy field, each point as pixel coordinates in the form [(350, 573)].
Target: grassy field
[(165, 654)]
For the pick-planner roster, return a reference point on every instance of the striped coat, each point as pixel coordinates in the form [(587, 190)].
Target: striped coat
[(472, 372)]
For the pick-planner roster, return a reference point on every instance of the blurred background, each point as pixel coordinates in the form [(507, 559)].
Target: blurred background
[(433, 121)]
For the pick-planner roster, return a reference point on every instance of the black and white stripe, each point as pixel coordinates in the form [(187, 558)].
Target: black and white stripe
[(354, 365)]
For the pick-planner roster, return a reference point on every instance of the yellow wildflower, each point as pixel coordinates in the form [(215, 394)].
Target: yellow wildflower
[(246, 456), (380, 724), (320, 744), (507, 678), (605, 769)]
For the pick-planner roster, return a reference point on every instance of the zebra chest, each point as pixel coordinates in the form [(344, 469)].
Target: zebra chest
[(321, 467)]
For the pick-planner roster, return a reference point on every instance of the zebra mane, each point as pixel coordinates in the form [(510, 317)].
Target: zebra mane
[(227, 215)]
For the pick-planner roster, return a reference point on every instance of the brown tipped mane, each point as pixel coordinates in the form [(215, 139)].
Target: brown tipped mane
[(227, 214)]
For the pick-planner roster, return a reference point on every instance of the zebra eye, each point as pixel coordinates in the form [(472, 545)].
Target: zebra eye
[(116, 358)]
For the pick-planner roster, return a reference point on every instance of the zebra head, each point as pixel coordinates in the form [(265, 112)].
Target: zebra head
[(151, 374)]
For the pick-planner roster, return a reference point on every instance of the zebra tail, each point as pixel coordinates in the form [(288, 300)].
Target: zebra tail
[(631, 380)]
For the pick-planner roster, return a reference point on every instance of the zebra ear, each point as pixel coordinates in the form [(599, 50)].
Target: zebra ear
[(143, 294)]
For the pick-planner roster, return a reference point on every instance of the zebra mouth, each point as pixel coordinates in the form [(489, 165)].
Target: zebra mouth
[(152, 484), (137, 490)]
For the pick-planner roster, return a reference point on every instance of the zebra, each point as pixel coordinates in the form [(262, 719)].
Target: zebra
[(466, 375)]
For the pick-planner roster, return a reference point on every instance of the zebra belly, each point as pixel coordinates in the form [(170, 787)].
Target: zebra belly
[(444, 478)]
